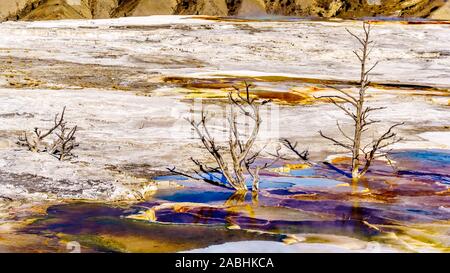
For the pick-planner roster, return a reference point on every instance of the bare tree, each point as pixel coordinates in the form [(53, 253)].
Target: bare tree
[(35, 142), (231, 173), (60, 147), (363, 152)]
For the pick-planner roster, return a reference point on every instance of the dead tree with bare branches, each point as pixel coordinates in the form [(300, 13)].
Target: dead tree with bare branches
[(236, 158), (64, 143), (36, 142), (60, 145), (363, 152)]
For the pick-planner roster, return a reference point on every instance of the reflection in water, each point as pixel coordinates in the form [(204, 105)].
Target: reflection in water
[(194, 195), (236, 199), (194, 217), (255, 198), (240, 198), (356, 212), (101, 228)]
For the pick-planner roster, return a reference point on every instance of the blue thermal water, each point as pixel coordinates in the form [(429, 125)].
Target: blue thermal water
[(193, 195), (441, 157)]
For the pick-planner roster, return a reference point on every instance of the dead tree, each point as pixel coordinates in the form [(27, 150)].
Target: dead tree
[(64, 143), (236, 158), (363, 152), (35, 142), (61, 144)]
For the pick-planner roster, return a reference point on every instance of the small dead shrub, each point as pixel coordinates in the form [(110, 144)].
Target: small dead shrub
[(58, 141)]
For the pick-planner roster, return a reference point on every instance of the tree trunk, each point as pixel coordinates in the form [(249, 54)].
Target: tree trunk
[(359, 112), (357, 139)]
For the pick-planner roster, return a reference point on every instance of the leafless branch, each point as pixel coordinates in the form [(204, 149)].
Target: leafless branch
[(239, 146), (336, 142), (303, 155), (35, 142), (62, 147), (62, 143), (359, 114)]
